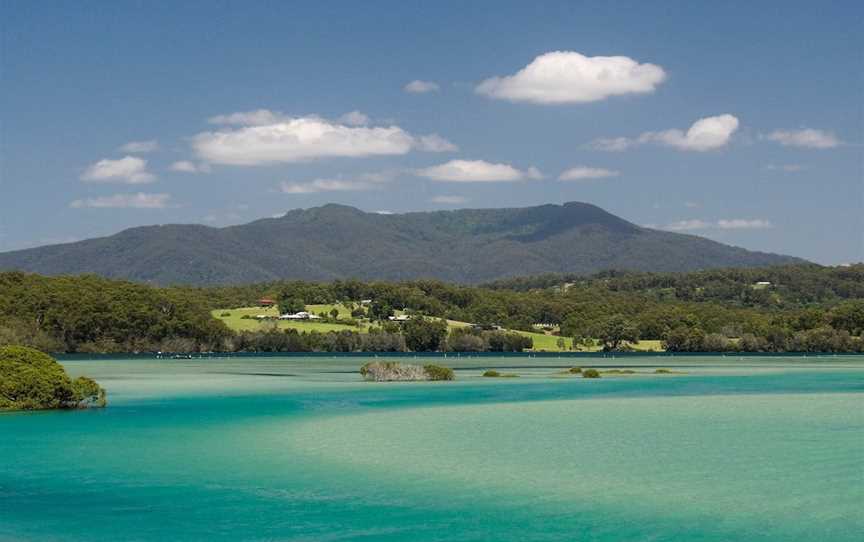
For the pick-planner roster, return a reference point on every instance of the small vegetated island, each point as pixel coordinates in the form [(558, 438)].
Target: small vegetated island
[(492, 373), (32, 380), (392, 371)]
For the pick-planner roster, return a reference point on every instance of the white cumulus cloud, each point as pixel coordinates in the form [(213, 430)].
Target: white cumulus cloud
[(706, 134), (264, 137), (561, 77), (298, 139), (124, 201), (421, 87), (477, 171), (140, 147), (810, 138), (580, 173), (126, 170)]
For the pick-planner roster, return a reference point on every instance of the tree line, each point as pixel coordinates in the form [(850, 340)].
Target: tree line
[(805, 308)]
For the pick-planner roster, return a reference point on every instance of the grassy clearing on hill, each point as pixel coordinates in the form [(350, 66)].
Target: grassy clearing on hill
[(547, 342), (236, 322), (318, 309)]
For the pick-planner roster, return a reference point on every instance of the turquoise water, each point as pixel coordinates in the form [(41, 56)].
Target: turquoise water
[(300, 449)]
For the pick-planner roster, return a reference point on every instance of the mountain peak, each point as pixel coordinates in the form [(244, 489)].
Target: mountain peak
[(340, 241)]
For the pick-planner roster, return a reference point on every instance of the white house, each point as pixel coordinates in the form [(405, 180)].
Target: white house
[(400, 318), (302, 315)]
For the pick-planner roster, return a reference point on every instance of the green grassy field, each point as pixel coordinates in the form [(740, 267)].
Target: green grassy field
[(547, 342), (318, 309), (235, 321)]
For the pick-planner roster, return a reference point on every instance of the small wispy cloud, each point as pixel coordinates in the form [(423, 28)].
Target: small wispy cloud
[(418, 86), (581, 173), (687, 225), (744, 224), (140, 147), (449, 200), (809, 138), (367, 181), (186, 166), (140, 200), (789, 168), (721, 224), (477, 171), (355, 118), (434, 143), (258, 117)]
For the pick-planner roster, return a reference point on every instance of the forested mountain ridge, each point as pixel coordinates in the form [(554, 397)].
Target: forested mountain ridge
[(338, 242)]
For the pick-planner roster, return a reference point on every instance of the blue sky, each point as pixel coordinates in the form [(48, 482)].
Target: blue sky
[(739, 121)]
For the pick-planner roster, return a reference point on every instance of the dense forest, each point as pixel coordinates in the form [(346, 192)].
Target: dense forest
[(805, 308)]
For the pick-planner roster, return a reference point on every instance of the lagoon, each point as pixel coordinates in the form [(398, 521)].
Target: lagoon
[(300, 449)]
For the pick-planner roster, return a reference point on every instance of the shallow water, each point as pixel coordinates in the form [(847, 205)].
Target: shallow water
[(301, 449)]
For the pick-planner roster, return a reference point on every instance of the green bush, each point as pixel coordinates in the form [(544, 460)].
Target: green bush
[(32, 380), (224, 314), (590, 373), (88, 393), (662, 371), (575, 370), (437, 372), (620, 371), (491, 374)]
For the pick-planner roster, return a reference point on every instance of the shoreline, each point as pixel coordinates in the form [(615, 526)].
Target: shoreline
[(452, 355)]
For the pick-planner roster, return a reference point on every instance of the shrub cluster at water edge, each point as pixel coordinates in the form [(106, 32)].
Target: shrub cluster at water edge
[(437, 372), (32, 380), (590, 373)]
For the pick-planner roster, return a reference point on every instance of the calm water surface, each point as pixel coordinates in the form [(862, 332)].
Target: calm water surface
[(300, 449)]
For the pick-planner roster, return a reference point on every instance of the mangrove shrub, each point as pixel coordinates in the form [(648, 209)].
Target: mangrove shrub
[(32, 380)]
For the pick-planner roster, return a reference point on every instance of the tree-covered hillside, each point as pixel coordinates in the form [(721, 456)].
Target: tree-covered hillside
[(339, 242), (790, 308), (93, 314)]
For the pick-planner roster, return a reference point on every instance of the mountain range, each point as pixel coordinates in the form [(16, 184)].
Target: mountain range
[(337, 241)]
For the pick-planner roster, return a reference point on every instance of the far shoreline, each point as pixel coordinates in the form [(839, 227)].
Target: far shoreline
[(449, 355)]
